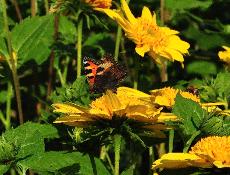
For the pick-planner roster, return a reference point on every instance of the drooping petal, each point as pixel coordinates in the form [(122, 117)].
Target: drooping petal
[(127, 11), (179, 160), (142, 50)]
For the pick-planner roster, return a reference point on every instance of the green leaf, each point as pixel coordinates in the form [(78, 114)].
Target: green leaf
[(77, 93), (28, 138), (205, 40), (3, 48), (129, 171), (46, 130), (57, 161), (216, 125), (180, 6), (222, 84), (67, 29), (190, 114), (32, 38), (4, 168), (202, 68)]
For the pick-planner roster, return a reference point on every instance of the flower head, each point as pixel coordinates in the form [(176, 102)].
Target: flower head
[(126, 103), (208, 152), (104, 4), (148, 36), (166, 96), (225, 55)]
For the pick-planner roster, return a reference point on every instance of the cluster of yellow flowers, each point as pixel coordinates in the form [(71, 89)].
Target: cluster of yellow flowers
[(160, 43)]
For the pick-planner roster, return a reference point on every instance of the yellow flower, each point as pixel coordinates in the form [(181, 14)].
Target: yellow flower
[(166, 96), (208, 152), (225, 55), (149, 38), (105, 4), (126, 103)]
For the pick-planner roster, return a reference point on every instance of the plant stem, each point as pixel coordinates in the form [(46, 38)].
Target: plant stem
[(52, 56), (171, 137), (17, 9), (117, 45), (189, 142), (117, 149), (8, 105), (12, 63), (79, 47), (33, 7), (109, 161), (46, 6), (65, 71), (163, 70)]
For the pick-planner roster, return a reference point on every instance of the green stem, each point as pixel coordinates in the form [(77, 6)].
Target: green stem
[(12, 63), (109, 161), (135, 83), (79, 47), (117, 149), (164, 74), (117, 45), (171, 138), (60, 77), (46, 6), (189, 142), (33, 7), (151, 157), (8, 105), (2, 118), (66, 69)]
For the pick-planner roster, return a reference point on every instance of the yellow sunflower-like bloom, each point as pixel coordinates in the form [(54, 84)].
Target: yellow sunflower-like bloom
[(159, 42), (104, 4), (207, 153), (225, 55), (166, 96), (126, 103)]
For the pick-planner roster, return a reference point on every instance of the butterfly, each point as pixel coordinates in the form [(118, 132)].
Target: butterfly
[(104, 74)]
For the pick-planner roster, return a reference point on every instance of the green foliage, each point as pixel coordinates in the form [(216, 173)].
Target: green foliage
[(77, 93), (24, 147), (181, 6), (59, 162), (217, 89), (195, 120), (190, 114), (202, 68), (33, 36)]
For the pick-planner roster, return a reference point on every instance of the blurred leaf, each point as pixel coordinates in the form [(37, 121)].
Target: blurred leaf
[(32, 38), (95, 39), (128, 171), (204, 40), (190, 114), (4, 168), (180, 6), (67, 29), (202, 68)]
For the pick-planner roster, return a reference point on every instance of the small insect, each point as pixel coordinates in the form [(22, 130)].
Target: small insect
[(192, 90), (104, 74)]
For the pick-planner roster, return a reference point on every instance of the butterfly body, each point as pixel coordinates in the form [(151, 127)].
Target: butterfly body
[(104, 74)]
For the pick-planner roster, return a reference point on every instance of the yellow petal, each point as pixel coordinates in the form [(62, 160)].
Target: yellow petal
[(67, 108), (130, 92), (179, 160), (142, 50), (127, 11), (220, 164), (146, 14)]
